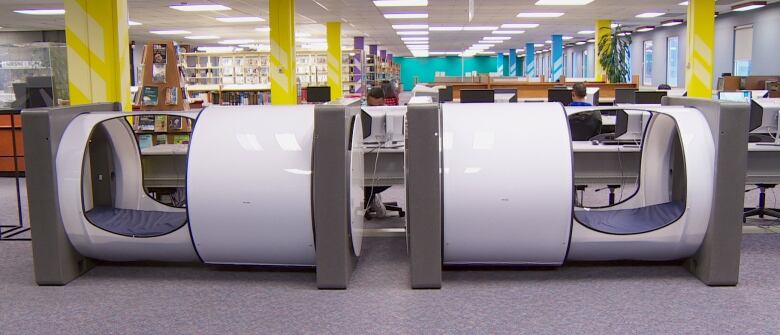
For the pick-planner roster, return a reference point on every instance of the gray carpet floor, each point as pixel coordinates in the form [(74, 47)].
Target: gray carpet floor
[(621, 298)]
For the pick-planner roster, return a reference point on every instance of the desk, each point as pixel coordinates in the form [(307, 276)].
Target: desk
[(389, 170), (605, 164), (165, 166), (763, 164)]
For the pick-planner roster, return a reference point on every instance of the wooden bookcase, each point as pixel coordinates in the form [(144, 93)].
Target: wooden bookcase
[(10, 131)]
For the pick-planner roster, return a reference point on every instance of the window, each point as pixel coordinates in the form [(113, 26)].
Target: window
[(672, 60), (743, 50), (647, 69), (585, 64)]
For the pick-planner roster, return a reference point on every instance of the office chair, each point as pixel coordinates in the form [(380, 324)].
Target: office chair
[(370, 193), (761, 210), (585, 125)]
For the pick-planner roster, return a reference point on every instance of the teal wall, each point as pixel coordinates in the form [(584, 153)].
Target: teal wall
[(424, 68)]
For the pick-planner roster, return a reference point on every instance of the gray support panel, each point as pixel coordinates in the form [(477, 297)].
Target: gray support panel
[(335, 256), (55, 260), (424, 197), (717, 261)]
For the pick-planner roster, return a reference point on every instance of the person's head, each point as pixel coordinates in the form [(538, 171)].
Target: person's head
[(376, 97), (388, 88), (664, 87), (579, 92)]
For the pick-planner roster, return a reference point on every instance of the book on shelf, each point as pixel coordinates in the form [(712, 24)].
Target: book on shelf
[(160, 123), (172, 96), (181, 139), (145, 123), (161, 139), (144, 141), (149, 96), (174, 123)]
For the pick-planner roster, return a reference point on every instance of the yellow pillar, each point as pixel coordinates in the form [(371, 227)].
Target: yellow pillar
[(700, 48), (281, 19), (603, 28), (334, 60), (98, 51)]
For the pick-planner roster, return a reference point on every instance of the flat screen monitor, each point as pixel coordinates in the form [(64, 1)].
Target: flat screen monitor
[(445, 94), (739, 96), (562, 95), (512, 91), (763, 115), (649, 97), (624, 95), (318, 94), (476, 96), (39, 97)]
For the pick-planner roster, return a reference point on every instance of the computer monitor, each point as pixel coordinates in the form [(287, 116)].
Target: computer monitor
[(318, 94), (649, 97), (445, 94), (630, 124), (738, 96), (383, 124), (593, 95), (512, 91), (434, 96), (562, 95), (624, 95), (476, 96), (763, 115)]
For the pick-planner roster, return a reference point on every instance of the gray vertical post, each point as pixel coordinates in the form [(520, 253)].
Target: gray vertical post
[(330, 174), (55, 260), (423, 194), (717, 261)]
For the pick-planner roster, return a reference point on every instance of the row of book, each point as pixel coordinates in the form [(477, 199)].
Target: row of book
[(162, 123), (149, 140), (150, 96), (243, 98)]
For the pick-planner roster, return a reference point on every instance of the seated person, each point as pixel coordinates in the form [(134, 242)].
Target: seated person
[(376, 97), (391, 98), (578, 95)]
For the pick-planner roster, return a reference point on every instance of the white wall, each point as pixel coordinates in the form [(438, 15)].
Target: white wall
[(15, 37), (659, 38)]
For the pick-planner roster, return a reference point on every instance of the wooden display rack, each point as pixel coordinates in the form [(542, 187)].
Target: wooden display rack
[(161, 73)]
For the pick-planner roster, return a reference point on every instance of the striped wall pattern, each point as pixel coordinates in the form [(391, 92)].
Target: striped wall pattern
[(335, 73), (98, 51), (557, 57), (603, 27), (281, 19), (500, 63), (530, 66), (513, 62), (357, 70), (699, 53)]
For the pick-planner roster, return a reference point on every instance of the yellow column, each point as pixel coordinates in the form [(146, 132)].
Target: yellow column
[(603, 28), (334, 60), (281, 19), (98, 51), (699, 53)]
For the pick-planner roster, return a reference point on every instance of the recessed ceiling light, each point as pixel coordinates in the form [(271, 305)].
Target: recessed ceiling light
[(491, 41), (406, 15), (508, 32), (170, 32), (539, 15), (216, 49), (202, 37), (614, 25), (547, 42), (645, 28), (684, 3), (445, 28), (538, 45), (412, 32), (580, 43), (519, 25), (415, 42), (592, 40), (748, 6), (401, 3), (133, 23), (649, 15), (566, 38), (479, 28), (263, 29), (198, 8), (497, 38), (236, 42), (563, 2), (41, 11), (409, 26), (670, 23), (240, 19), (421, 38), (586, 32)]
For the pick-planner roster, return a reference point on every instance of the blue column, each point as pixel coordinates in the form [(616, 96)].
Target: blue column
[(512, 62), (557, 57), (530, 68), (500, 63)]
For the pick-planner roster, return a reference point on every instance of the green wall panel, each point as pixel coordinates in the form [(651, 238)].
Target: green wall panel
[(424, 68)]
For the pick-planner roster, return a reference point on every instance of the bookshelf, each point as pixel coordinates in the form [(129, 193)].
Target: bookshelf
[(352, 81)]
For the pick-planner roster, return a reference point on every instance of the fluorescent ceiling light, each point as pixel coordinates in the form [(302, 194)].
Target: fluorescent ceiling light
[(170, 32), (133, 23), (566, 38), (412, 32), (508, 32), (414, 38), (580, 43), (406, 16), (240, 19), (216, 49), (401, 3), (479, 28), (645, 28), (199, 8), (539, 15), (497, 38), (491, 41), (236, 42), (649, 15), (519, 25), (445, 28), (538, 45), (563, 2), (548, 42), (415, 42), (592, 40), (748, 6), (586, 32), (670, 23), (202, 37), (684, 3), (41, 11), (409, 26), (263, 29)]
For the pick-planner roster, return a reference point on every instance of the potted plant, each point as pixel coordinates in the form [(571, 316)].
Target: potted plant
[(613, 55)]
